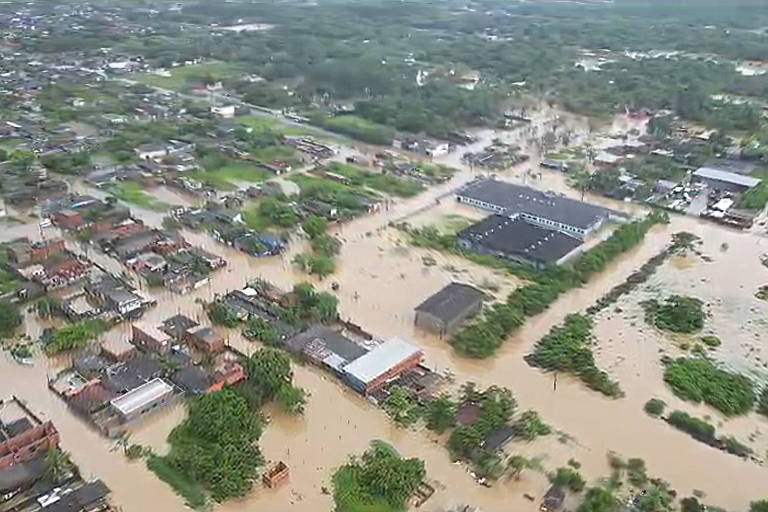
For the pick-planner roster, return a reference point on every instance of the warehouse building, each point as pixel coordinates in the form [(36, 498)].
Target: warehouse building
[(546, 209), (142, 400), (444, 311), (385, 362), (520, 241), (725, 180)]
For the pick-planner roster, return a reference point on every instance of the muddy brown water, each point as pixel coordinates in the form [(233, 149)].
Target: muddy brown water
[(380, 282)]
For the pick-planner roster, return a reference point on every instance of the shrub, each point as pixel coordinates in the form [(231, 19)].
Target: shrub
[(700, 380), (762, 405), (695, 427), (677, 314), (655, 407), (711, 341)]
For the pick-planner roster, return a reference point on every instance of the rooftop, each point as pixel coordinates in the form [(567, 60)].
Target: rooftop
[(380, 359), (140, 396), (320, 341), (726, 177), (151, 331), (515, 199), (517, 237), (452, 301)]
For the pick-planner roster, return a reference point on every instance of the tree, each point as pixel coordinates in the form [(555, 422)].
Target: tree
[(221, 314), (530, 426), (263, 330), (598, 499), (691, 504), (441, 414), (517, 464), (568, 477), (58, 465), (292, 399), (759, 506), (10, 319), (269, 370)]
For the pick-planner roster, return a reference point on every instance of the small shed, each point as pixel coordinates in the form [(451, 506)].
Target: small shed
[(276, 476), (444, 311)]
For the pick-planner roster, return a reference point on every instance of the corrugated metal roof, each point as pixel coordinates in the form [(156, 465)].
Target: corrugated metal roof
[(141, 396), (376, 362), (727, 177)]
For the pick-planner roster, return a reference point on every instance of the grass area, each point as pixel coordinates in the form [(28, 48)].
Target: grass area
[(382, 182), (260, 123), (357, 128), (756, 198), (8, 283), (186, 76), (277, 154), (134, 193), (452, 223), (184, 487), (223, 177)]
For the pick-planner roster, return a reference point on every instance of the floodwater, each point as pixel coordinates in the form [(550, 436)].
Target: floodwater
[(380, 281)]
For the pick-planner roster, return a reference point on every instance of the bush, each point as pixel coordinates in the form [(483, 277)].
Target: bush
[(735, 447), (677, 314), (655, 407), (695, 427), (262, 330), (699, 380), (711, 341)]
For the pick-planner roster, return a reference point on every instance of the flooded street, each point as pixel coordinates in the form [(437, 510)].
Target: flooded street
[(380, 281)]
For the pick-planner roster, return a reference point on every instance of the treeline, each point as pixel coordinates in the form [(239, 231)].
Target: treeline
[(485, 336)]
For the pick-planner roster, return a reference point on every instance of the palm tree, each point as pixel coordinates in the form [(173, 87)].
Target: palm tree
[(58, 465)]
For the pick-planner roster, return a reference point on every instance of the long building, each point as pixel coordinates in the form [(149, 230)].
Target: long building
[(520, 241), (545, 209)]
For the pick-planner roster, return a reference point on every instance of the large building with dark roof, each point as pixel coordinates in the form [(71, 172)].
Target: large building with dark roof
[(444, 311), (545, 209), (519, 241)]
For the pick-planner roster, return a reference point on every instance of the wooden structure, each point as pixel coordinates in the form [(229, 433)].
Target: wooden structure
[(276, 476)]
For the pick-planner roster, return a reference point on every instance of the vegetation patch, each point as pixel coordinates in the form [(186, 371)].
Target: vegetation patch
[(566, 348), (379, 481), (677, 314), (762, 293), (699, 380), (356, 128), (134, 193), (73, 336), (215, 447), (226, 176), (192, 493), (382, 182), (10, 319)]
